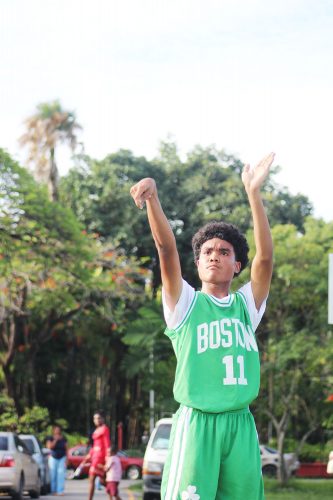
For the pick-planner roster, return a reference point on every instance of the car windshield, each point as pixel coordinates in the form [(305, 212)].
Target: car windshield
[(29, 444), (3, 443), (270, 450), (161, 439)]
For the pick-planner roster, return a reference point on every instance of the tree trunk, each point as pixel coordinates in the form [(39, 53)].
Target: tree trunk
[(32, 379), (8, 339), (280, 429), (53, 179), (270, 404), (283, 475)]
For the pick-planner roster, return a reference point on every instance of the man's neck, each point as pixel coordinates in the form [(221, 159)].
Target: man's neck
[(219, 290)]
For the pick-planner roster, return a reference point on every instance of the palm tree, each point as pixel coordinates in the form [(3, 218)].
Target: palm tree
[(46, 129)]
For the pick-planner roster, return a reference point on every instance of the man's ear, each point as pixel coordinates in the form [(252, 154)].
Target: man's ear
[(238, 266)]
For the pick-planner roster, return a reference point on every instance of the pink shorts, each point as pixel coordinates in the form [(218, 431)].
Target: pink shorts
[(112, 488)]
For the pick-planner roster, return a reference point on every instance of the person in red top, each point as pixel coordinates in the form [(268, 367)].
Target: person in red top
[(98, 452)]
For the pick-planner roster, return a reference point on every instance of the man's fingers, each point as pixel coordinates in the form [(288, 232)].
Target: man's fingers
[(143, 191), (268, 160), (140, 193)]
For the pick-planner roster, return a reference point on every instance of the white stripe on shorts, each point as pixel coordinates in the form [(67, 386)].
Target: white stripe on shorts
[(182, 452), (176, 451)]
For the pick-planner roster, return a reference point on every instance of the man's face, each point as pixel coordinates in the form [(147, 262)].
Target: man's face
[(217, 262)]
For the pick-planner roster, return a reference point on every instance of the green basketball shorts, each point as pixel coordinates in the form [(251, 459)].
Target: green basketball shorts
[(213, 456)]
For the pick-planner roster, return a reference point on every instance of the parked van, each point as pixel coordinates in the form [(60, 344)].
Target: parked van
[(154, 459)]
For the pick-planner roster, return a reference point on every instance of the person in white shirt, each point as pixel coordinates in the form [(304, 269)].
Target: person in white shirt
[(113, 473)]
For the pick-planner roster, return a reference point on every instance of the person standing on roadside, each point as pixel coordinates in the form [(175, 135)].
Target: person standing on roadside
[(57, 443)]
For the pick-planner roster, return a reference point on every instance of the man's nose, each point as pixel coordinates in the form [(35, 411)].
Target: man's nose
[(214, 256)]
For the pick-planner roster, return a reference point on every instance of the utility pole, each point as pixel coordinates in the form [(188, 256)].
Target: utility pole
[(151, 393)]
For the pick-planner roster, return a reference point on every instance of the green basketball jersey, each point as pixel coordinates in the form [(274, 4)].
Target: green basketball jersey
[(217, 355)]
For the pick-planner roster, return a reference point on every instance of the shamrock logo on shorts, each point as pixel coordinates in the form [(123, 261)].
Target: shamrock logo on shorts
[(190, 493)]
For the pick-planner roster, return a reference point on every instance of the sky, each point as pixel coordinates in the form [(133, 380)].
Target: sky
[(249, 76)]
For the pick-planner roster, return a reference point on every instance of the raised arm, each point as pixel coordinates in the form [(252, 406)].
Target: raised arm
[(262, 265), (146, 191)]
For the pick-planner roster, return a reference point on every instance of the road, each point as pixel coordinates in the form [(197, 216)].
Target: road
[(77, 490)]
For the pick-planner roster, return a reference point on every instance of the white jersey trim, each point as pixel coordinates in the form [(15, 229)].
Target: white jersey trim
[(175, 318)]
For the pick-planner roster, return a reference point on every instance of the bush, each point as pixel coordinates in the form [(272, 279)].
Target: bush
[(8, 415), (36, 420), (290, 444), (309, 453), (75, 438), (313, 453)]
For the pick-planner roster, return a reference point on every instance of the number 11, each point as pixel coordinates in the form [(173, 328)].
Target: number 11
[(230, 378)]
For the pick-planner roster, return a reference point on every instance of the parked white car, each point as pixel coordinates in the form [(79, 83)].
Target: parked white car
[(19, 472), (41, 456), (270, 461)]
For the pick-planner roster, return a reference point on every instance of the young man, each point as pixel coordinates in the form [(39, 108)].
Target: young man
[(214, 451)]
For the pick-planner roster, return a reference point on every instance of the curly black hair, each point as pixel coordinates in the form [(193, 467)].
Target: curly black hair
[(224, 231)]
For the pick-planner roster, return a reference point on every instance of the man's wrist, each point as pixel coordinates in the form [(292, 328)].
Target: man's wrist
[(154, 196), (253, 193)]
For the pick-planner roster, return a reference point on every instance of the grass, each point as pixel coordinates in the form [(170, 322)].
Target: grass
[(136, 487), (297, 489)]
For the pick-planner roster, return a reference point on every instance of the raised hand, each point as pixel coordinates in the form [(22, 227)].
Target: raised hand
[(143, 191), (253, 178)]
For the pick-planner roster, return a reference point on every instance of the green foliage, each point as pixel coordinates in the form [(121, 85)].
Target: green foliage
[(75, 438), (317, 452), (8, 417), (314, 453), (35, 420), (296, 342), (83, 277), (206, 186), (56, 281), (298, 489)]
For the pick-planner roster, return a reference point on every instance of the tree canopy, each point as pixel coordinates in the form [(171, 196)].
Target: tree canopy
[(80, 299)]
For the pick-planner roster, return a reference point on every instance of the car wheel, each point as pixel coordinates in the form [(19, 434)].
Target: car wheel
[(18, 495), (36, 493), (151, 496), (44, 489), (133, 472), (269, 470)]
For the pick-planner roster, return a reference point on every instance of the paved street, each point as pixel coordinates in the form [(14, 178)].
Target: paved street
[(77, 490)]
